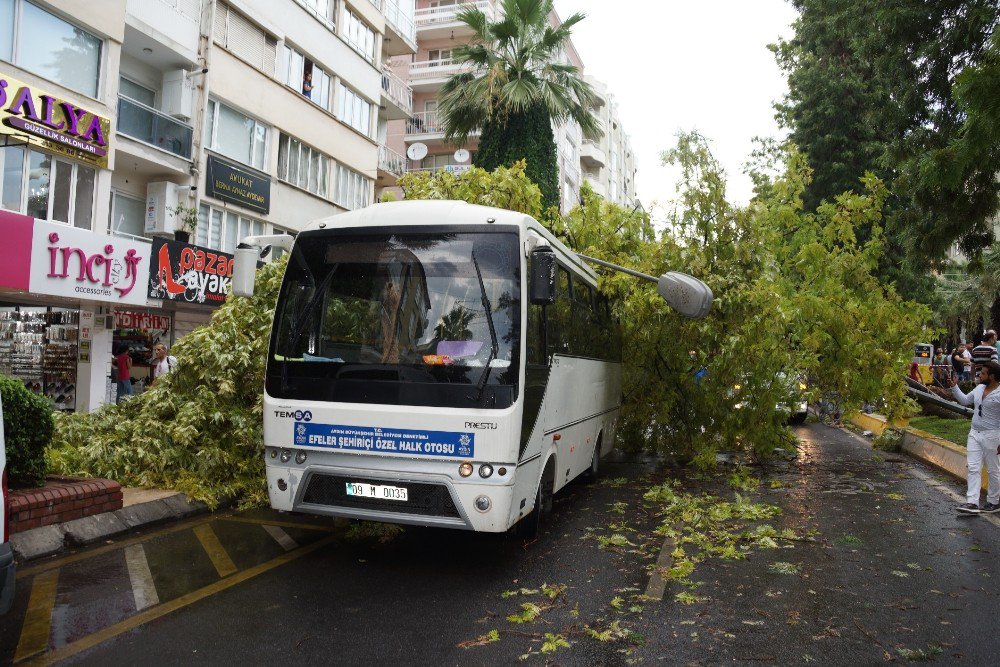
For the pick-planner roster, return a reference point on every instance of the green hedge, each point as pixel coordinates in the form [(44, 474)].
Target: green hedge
[(27, 427)]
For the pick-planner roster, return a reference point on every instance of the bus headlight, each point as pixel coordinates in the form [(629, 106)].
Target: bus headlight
[(483, 504), (465, 469), (286, 455), (485, 470), (300, 457)]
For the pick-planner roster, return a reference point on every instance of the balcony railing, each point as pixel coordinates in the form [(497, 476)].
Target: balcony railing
[(429, 16), (149, 126), (400, 18), (398, 91), (391, 161), (424, 122), (432, 69)]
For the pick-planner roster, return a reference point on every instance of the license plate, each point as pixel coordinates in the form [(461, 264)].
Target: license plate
[(378, 491)]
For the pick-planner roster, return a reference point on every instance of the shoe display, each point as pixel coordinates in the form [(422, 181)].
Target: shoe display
[(991, 507), (969, 508)]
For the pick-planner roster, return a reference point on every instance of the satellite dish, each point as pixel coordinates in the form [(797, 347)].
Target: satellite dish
[(417, 151), (461, 156)]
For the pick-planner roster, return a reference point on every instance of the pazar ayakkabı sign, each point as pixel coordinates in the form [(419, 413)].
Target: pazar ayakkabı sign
[(51, 123), (183, 272), (236, 184)]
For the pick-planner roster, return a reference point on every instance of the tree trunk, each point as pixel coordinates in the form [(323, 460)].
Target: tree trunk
[(523, 136)]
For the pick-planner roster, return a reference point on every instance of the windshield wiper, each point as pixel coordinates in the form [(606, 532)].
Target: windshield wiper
[(495, 347), (300, 323)]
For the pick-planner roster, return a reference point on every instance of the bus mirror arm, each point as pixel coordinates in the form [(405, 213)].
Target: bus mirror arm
[(686, 294), (251, 250)]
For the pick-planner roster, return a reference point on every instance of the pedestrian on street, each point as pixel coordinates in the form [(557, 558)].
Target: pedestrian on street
[(983, 444), (163, 363), (940, 368), (967, 361), (986, 350), (123, 370), (958, 361)]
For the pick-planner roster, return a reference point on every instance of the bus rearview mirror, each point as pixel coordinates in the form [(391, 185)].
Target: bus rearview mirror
[(542, 277), (686, 294), (245, 270)]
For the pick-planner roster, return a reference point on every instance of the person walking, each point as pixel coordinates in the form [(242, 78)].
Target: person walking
[(967, 361), (123, 370), (958, 361), (983, 444)]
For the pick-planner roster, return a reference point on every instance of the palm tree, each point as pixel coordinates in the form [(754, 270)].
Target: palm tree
[(514, 88)]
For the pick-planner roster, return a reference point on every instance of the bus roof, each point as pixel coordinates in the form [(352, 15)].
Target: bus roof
[(445, 212)]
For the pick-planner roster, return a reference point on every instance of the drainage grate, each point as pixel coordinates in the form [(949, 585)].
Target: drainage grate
[(423, 499)]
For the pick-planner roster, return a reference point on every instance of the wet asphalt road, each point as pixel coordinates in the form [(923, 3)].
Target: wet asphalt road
[(890, 572)]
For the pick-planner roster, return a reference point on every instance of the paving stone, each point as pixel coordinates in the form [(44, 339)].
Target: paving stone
[(92, 528), (37, 542), (144, 514)]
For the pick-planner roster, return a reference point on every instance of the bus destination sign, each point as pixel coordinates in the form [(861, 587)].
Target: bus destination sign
[(385, 440)]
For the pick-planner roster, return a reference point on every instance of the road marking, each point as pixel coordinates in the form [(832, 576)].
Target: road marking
[(281, 537), (657, 586), (216, 552), (37, 620), (153, 613), (143, 588), (336, 524), (97, 551), (951, 493)]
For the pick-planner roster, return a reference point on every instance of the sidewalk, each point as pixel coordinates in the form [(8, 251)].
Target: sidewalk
[(140, 508)]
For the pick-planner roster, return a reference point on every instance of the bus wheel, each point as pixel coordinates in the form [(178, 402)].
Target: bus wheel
[(591, 474), (527, 528)]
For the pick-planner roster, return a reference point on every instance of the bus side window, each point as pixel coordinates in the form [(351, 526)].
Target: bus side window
[(582, 339), (558, 316), (535, 335)]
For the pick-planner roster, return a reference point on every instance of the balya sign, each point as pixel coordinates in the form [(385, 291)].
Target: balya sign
[(52, 123)]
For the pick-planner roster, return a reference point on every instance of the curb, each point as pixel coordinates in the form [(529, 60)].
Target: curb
[(48, 540), (937, 452)]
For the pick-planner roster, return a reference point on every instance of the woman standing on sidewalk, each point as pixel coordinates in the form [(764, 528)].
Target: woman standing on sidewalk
[(984, 438)]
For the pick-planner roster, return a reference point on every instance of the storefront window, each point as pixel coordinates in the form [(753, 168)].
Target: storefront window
[(38, 346), (61, 191), (38, 185), (58, 50), (83, 208), (139, 332), (13, 168)]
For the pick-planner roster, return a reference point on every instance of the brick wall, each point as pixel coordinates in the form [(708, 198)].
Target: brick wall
[(62, 499)]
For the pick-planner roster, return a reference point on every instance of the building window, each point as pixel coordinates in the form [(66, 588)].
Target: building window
[(306, 77), (236, 135), (222, 230), (46, 187), (49, 46), (244, 39), (438, 57), (359, 36), (324, 10), (353, 190), (128, 215), (302, 166), (354, 110), (137, 92)]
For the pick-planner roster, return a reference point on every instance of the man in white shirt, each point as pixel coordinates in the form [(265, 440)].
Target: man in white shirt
[(983, 444), (163, 363)]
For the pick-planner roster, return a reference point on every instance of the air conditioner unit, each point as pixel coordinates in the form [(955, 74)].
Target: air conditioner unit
[(161, 199), (178, 94)]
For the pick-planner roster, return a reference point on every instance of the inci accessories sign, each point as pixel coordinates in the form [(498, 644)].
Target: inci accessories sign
[(59, 260), (52, 123), (233, 183), (184, 272)]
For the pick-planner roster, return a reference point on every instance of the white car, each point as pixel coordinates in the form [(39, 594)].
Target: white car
[(6, 555)]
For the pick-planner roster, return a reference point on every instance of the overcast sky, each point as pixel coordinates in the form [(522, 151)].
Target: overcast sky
[(677, 65)]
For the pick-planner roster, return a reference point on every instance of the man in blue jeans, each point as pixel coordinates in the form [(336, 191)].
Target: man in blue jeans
[(983, 445)]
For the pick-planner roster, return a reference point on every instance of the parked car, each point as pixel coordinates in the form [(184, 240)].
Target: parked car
[(6, 555)]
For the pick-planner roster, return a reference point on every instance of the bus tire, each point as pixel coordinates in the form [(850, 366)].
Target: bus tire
[(528, 527), (592, 473)]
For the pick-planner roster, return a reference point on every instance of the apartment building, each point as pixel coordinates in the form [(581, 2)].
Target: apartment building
[(421, 137), (123, 121), (608, 162)]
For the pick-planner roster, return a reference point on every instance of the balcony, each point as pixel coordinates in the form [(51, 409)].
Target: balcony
[(397, 97), (391, 165), (441, 22), (156, 129), (164, 26), (400, 31), (429, 75), (591, 156)]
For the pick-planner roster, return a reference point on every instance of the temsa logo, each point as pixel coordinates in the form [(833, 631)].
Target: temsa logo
[(298, 415), (483, 426)]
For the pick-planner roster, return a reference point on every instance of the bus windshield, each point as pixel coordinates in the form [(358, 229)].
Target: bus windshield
[(399, 317)]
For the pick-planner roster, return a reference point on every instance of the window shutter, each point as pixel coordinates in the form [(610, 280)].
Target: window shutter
[(247, 41), (270, 54), (219, 27)]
